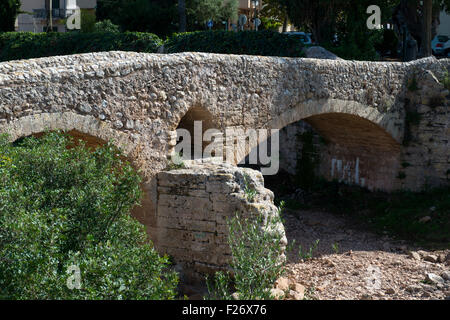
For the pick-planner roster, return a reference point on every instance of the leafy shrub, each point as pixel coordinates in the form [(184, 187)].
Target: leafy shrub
[(62, 205), (255, 246), (106, 26), (27, 45), (357, 45), (263, 43), (446, 80), (87, 20)]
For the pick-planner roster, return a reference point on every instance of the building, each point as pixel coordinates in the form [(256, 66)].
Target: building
[(250, 8), (444, 25), (37, 14)]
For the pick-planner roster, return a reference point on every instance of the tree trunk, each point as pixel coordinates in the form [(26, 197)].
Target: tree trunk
[(285, 23), (182, 14), (426, 25)]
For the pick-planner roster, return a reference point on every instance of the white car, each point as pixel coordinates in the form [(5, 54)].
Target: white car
[(304, 37)]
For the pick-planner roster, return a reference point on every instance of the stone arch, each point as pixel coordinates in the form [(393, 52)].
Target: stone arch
[(67, 121), (362, 146), (311, 108), (93, 131), (195, 113)]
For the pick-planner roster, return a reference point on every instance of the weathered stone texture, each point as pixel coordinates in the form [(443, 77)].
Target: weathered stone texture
[(194, 204), (138, 100)]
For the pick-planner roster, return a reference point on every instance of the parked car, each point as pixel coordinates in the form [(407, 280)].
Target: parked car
[(437, 44), (447, 49), (304, 37)]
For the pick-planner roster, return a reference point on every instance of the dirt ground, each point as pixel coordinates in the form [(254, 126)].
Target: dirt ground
[(352, 263)]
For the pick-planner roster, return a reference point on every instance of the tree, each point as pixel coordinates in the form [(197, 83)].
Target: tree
[(87, 21), (9, 9), (426, 25), (317, 16), (201, 11), (229, 10), (204, 10), (155, 16), (412, 27), (64, 206), (182, 14), (275, 12)]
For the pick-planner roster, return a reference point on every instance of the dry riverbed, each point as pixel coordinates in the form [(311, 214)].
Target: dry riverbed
[(352, 263)]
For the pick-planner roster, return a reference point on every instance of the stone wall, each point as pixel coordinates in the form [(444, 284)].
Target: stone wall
[(193, 206), (425, 154), (420, 160), (139, 99)]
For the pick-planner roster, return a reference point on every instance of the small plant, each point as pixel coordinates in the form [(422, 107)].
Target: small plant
[(310, 293), (219, 286), (250, 193), (291, 246), (335, 247), (176, 162), (306, 255), (255, 245), (280, 209)]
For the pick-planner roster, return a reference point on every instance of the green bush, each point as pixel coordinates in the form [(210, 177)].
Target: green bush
[(27, 45), (357, 45), (255, 247), (263, 43), (62, 205), (106, 26)]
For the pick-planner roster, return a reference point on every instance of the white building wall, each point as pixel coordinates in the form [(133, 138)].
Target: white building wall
[(26, 22), (444, 26)]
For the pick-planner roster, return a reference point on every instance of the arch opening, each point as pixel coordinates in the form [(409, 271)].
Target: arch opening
[(92, 143), (195, 122), (341, 147)]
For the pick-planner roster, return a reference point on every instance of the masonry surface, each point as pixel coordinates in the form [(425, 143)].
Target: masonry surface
[(363, 110)]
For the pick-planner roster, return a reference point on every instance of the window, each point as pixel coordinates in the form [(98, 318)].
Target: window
[(442, 38), (55, 4)]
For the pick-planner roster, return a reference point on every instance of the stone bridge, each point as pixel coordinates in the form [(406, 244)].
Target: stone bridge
[(362, 109)]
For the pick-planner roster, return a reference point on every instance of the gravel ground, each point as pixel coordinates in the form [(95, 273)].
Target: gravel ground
[(353, 263)]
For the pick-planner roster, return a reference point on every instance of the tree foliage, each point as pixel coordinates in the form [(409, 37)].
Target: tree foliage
[(274, 14), (201, 11), (9, 9), (63, 205), (156, 16), (106, 26), (329, 20), (27, 45), (262, 43)]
